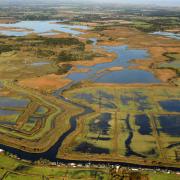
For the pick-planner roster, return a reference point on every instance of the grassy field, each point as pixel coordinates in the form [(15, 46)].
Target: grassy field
[(14, 169)]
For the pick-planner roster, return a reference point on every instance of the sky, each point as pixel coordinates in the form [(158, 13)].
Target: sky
[(141, 2), (152, 2)]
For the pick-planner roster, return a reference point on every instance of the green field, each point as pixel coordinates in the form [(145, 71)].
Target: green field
[(18, 170)]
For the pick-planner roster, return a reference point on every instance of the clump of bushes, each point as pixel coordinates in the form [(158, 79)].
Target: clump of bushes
[(65, 42), (70, 55), (64, 69), (5, 48)]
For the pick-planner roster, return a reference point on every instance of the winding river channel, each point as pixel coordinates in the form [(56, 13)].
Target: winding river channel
[(124, 56)]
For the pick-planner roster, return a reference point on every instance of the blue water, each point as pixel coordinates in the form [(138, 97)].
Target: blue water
[(7, 112), (167, 34), (125, 55), (128, 76), (40, 27), (12, 102)]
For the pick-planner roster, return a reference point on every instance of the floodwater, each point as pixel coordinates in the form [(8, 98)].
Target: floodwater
[(129, 150), (143, 121), (142, 101), (85, 96), (168, 34), (12, 102), (170, 124), (90, 148), (125, 100), (40, 27), (8, 112), (100, 125), (105, 95), (170, 105)]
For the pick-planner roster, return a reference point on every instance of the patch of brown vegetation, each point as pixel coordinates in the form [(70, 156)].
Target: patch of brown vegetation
[(13, 29), (7, 21), (59, 35), (117, 68), (165, 74), (45, 83), (111, 43), (175, 30)]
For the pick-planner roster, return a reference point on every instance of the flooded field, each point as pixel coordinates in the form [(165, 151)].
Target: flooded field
[(171, 105), (170, 124), (129, 125), (13, 102), (143, 122), (89, 148), (100, 124), (7, 112)]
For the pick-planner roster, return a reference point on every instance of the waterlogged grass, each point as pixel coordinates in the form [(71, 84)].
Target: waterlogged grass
[(9, 119), (143, 139), (172, 63), (133, 129), (30, 124), (96, 135), (41, 110)]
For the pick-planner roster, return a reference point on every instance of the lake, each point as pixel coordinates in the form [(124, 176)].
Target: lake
[(125, 55), (40, 27)]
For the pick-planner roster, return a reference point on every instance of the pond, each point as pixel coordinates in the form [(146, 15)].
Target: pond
[(40, 27)]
